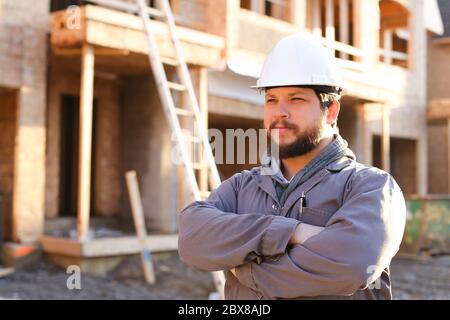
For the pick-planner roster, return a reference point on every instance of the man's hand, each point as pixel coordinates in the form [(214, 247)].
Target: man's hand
[(303, 232)]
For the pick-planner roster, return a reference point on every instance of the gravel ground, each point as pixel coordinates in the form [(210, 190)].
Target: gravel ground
[(411, 279), (421, 280), (175, 280)]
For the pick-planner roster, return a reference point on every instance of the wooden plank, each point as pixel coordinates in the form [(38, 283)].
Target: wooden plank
[(4, 272), (128, 245), (387, 46), (62, 246), (329, 25), (316, 19), (118, 30), (344, 25), (85, 138), (203, 104), (104, 247), (99, 51), (139, 224), (131, 22), (100, 34)]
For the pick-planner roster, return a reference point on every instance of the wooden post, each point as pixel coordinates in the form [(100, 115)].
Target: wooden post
[(329, 25), (203, 104), (139, 224), (316, 19), (387, 46), (385, 141), (85, 138), (232, 25), (257, 6), (343, 25)]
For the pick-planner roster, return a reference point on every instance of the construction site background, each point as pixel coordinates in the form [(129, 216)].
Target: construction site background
[(395, 56)]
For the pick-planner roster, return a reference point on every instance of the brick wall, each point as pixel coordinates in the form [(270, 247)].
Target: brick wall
[(23, 35), (8, 118), (64, 78), (438, 158), (147, 149)]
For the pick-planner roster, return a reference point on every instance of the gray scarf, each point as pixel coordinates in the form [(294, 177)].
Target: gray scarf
[(334, 151)]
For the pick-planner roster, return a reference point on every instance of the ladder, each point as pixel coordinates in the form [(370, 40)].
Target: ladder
[(174, 114)]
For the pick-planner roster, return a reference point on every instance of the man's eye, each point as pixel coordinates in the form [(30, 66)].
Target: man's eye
[(270, 100), (298, 99)]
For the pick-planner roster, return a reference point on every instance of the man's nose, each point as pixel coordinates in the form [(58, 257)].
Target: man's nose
[(282, 110)]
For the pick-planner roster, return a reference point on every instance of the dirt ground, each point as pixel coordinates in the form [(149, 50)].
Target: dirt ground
[(411, 279)]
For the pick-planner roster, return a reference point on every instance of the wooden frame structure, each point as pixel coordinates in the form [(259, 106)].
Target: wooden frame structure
[(90, 39)]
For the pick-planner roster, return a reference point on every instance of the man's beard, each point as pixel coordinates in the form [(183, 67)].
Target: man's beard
[(304, 142)]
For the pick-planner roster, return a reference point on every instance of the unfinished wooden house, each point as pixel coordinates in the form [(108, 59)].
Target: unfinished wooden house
[(75, 78)]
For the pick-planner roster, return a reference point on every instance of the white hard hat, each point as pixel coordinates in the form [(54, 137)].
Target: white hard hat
[(299, 60)]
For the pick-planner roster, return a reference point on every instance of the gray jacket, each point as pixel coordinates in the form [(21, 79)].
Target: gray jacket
[(242, 225)]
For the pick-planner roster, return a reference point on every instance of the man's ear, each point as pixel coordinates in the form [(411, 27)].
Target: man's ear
[(333, 112)]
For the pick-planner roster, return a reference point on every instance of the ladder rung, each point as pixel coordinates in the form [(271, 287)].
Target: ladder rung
[(176, 86), (170, 61), (184, 112), (199, 165), (205, 194), (155, 12), (191, 138)]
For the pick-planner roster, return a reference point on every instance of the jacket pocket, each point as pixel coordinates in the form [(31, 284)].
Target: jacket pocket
[(312, 216)]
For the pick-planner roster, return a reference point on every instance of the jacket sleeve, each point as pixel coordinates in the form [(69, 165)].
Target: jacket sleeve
[(213, 237), (352, 251)]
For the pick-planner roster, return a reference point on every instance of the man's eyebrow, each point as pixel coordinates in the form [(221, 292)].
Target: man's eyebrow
[(300, 91), (297, 92)]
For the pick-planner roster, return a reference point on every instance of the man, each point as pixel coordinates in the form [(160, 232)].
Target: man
[(322, 225)]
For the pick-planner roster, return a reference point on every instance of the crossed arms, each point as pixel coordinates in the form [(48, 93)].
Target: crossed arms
[(283, 258)]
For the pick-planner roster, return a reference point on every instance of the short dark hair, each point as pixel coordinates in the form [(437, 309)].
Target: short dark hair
[(326, 96)]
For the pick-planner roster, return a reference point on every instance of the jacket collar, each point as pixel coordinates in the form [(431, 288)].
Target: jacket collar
[(265, 181)]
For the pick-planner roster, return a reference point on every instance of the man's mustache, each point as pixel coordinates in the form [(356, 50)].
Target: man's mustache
[(282, 123)]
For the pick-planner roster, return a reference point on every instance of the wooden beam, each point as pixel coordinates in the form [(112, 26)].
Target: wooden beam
[(298, 13), (316, 18), (85, 141), (329, 25), (203, 104), (4, 272), (58, 245), (344, 25), (62, 51), (257, 6), (104, 247), (385, 140), (139, 224), (387, 46)]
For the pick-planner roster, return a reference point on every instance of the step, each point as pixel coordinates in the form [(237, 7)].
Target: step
[(184, 112), (170, 61), (205, 194), (176, 86), (191, 138), (199, 165)]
